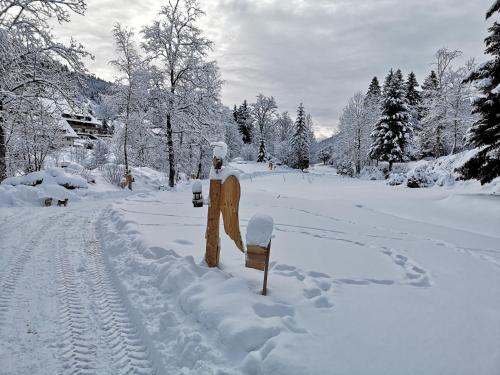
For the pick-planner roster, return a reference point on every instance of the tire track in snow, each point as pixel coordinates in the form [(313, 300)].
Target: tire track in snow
[(13, 271), (77, 349), (129, 352)]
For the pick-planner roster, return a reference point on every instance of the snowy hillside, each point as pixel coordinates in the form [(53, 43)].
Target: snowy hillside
[(365, 278)]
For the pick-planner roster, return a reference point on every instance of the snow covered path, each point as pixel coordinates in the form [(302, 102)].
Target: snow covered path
[(364, 279), (60, 311)]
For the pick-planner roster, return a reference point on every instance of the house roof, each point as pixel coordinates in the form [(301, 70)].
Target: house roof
[(68, 130)]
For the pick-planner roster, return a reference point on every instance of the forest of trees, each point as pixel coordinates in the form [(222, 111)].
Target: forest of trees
[(404, 121), (166, 109)]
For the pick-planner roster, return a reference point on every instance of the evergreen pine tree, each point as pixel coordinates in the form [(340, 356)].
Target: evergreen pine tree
[(235, 114), (391, 132), (412, 94), (300, 141), (243, 118), (414, 101), (485, 132), (374, 93)]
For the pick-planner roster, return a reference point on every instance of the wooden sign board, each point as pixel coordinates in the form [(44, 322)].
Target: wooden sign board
[(256, 257)]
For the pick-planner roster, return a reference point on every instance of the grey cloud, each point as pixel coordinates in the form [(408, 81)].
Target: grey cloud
[(316, 51)]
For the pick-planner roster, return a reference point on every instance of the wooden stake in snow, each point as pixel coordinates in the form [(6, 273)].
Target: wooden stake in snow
[(224, 198), (259, 234)]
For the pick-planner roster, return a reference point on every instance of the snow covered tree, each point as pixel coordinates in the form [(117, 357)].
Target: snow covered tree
[(285, 130), (311, 139), (300, 141), (353, 138), (128, 64), (412, 94), (31, 61), (264, 115), (414, 99), (445, 110), (374, 93), (429, 99), (232, 136), (177, 47), (244, 119), (325, 155), (459, 95), (392, 132), (485, 133)]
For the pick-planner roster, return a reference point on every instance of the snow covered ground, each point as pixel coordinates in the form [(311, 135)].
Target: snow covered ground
[(365, 279)]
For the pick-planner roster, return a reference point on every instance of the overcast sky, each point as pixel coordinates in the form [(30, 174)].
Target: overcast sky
[(318, 52)]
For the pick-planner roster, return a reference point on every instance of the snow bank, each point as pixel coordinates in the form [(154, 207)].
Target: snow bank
[(49, 176), (439, 172), (23, 195), (207, 320), (260, 230), (220, 149)]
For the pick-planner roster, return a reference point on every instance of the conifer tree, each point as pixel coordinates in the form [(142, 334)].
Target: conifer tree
[(244, 120), (485, 132), (300, 141), (374, 93), (235, 113), (391, 132), (412, 94)]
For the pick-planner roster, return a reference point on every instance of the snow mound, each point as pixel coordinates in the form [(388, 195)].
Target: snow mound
[(260, 230), (197, 187), (49, 176), (244, 333), (220, 149), (23, 195), (439, 172)]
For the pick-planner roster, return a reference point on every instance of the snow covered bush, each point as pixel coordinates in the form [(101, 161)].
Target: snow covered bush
[(373, 173), (396, 179), (113, 173), (420, 176), (50, 176), (249, 152)]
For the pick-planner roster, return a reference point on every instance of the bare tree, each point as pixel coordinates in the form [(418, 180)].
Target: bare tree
[(176, 44), (128, 64), (31, 61)]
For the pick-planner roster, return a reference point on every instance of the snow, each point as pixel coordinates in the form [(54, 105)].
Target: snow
[(260, 230), (364, 278), (220, 149), (196, 186)]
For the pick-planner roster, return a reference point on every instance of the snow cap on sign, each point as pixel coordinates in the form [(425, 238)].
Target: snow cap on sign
[(260, 230), (220, 149), (196, 186)]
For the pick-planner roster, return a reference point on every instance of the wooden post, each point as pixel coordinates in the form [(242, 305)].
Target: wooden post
[(212, 234), (264, 285)]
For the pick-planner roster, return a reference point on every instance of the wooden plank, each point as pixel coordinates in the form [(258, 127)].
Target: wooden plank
[(213, 220), (230, 196), (254, 249), (250, 263)]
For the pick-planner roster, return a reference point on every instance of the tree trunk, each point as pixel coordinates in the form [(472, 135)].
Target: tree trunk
[(390, 165), (171, 159), (455, 131), (3, 147), (198, 174)]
